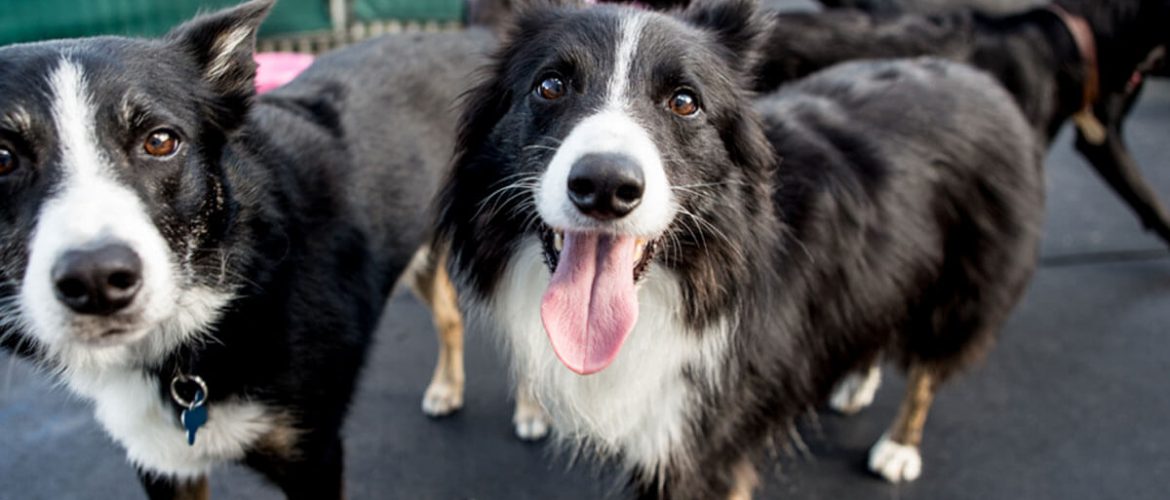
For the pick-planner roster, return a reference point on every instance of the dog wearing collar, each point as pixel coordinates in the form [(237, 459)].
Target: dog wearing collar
[(207, 266)]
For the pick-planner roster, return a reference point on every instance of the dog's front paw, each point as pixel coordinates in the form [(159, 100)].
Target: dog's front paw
[(442, 398), (856, 391), (894, 461), (530, 420)]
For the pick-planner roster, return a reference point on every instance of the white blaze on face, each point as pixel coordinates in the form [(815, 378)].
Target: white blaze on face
[(611, 130), (591, 303), (89, 207)]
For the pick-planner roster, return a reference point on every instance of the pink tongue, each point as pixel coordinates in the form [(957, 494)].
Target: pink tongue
[(591, 305)]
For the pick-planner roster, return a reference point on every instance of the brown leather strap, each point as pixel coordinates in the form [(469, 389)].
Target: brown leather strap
[(1082, 33)]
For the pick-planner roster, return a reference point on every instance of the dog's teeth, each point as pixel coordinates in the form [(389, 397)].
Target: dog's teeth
[(558, 241), (639, 249)]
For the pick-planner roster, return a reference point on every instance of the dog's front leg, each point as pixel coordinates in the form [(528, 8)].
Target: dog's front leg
[(159, 488), (531, 421)]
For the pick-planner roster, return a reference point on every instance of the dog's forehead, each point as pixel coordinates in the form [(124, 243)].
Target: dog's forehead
[(596, 37), (578, 36), (113, 73), (605, 27)]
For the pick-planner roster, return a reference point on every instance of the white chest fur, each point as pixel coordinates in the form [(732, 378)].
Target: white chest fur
[(128, 405), (641, 404)]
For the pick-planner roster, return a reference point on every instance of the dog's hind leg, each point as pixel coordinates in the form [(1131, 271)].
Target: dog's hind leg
[(1114, 163), (431, 283), (895, 456), (168, 489), (531, 421), (856, 391)]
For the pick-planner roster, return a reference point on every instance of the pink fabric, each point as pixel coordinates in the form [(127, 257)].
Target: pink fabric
[(278, 68)]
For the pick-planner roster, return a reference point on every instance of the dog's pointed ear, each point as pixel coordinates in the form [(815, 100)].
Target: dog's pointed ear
[(737, 25), (223, 44)]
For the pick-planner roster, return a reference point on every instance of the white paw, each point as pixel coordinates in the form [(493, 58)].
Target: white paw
[(531, 422), (856, 391), (442, 398), (895, 462), (531, 429)]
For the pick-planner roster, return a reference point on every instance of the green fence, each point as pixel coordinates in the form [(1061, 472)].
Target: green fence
[(28, 20)]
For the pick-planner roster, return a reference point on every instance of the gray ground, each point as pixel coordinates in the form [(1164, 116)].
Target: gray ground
[(1071, 405)]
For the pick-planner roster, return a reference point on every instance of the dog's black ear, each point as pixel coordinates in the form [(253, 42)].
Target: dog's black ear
[(222, 44), (737, 25)]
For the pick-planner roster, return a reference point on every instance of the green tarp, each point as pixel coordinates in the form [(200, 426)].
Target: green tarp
[(27, 20), (407, 10)]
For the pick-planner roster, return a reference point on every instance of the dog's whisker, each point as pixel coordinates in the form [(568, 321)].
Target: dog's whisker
[(525, 183), (738, 252), (551, 138), (539, 146)]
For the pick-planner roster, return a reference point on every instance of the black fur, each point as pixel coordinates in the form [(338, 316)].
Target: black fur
[(1031, 53), (307, 202), (834, 232)]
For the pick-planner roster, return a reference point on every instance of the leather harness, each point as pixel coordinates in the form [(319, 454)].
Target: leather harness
[(1090, 127)]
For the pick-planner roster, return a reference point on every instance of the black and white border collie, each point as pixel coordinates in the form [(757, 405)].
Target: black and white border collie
[(679, 268), (165, 233)]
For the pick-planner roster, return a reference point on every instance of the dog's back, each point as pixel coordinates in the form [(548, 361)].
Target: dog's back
[(936, 185), (371, 129)]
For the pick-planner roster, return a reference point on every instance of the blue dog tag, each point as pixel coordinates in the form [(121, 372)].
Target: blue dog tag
[(193, 418)]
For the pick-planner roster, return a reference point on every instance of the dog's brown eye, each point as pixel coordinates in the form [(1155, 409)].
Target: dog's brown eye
[(7, 161), (161, 143), (684, 103), (551, 88)]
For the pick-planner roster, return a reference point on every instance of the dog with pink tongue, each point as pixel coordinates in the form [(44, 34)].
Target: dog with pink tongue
[(678, 268)]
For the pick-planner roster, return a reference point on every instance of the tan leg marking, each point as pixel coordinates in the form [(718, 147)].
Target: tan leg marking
[(746, 480), (197, 489), (282, 440), (911, 417)]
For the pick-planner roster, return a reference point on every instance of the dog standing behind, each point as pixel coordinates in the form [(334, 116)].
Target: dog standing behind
[(173, 245), (1083, 61), (679, 270)]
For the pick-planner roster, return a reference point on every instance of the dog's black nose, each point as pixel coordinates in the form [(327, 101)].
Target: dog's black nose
[(101, 281), (605, 185)]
